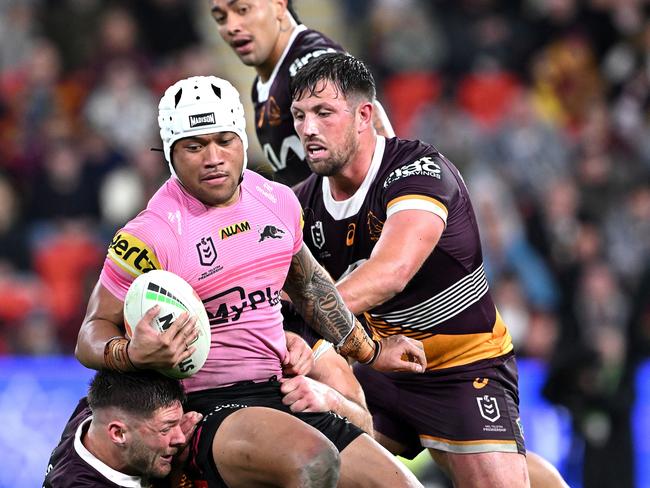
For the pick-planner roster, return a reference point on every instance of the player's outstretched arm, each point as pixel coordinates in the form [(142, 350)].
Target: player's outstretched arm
[(315, 297), (101, 342), (407, 239)]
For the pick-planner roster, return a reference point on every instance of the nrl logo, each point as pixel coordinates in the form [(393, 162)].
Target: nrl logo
[(207, 251), (488, 408), (199, 120), (317, 234)]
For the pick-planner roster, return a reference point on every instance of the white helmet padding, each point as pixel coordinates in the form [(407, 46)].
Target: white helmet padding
[(200, 105)]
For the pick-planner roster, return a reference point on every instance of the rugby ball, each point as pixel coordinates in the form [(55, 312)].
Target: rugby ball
[(175, 296)]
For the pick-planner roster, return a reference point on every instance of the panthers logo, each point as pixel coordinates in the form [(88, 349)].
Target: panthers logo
[(271, 232)]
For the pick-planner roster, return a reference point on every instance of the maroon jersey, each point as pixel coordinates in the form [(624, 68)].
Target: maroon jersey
[(447, 304), (272, 100), (72, 465)]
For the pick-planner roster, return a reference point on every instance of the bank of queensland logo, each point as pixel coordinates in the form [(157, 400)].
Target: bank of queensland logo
[(317, 234), (207, 251), (488, 407), (200, 120), (425, 166)]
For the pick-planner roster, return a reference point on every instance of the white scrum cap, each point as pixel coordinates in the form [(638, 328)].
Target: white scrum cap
[(200, 105)]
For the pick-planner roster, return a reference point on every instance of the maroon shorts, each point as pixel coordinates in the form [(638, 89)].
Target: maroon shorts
[(466, 409)]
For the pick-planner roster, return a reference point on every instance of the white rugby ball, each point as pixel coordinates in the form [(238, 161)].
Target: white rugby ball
[(175, 296)]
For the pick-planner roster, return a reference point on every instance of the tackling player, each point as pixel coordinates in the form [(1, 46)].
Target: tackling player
[(267, 35), (237, 239), (126, 433), (393, 221)]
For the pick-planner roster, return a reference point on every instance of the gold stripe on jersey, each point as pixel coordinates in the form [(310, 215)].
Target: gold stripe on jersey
[(450, 350), (439, 208), (465, 447), (131, 254)]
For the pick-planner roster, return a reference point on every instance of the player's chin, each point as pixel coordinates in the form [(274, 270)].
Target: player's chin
[(163, 466), (320, 166)]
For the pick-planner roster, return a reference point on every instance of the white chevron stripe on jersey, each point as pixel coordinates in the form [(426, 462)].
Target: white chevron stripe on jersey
[(442, 306)]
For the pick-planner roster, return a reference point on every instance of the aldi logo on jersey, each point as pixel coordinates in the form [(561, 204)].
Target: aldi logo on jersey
[(425, 166), (234, 229), (200, 120), (207, 251), (317, 234), (488, 407)]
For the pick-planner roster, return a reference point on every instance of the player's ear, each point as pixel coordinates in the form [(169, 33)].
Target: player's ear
[(280, 8), (117, 432), (365, 112)]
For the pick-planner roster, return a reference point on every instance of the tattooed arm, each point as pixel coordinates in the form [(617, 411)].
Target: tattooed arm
[(314, 295)]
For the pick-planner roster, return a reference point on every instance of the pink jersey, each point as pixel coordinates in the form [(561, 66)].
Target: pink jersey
[(236, 258)]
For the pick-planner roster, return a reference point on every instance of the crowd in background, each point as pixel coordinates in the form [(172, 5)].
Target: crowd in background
[(544, 105)]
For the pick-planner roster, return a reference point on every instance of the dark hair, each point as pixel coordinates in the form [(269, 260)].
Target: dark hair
[(292, 11), (349, 74), (140, 393)]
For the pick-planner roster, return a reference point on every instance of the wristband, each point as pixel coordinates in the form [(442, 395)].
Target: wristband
[(358, 345), (375, 354), (116, 355)]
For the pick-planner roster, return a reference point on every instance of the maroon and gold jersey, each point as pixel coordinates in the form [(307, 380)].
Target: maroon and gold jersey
[(72, 465), (447, 304), (272, 100)]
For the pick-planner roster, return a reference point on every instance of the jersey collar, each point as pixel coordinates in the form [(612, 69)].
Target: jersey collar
[(263, 88), (116, 477), (342, 209)]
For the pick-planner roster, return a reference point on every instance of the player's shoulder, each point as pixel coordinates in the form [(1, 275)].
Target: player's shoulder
[(399, 150), (309, 44), (164, 209), (404, 157), (306, 189), (267, 192), (310, 39)]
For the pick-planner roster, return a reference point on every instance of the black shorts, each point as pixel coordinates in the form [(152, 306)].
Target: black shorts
[(466, 409), (216, 404)]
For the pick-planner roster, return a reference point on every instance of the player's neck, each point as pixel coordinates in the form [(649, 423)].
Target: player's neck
[(93, 442), (345, 184), (265, 70)]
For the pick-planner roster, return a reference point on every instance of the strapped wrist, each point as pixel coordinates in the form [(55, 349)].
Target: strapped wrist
[(375, 353), (357, 344), (116, 354)]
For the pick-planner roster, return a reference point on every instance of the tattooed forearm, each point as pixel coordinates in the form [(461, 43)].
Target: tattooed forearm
[(315, 296)]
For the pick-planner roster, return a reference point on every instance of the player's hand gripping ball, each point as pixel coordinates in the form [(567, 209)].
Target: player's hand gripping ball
[(174, 295)]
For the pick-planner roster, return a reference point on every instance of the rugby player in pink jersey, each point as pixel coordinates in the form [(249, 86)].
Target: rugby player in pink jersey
[(237, 239)]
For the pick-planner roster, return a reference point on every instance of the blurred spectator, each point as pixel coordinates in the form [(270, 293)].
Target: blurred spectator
[(527, 151), (14, 251), (168, 26), (627, 228), (567, 82), (63, 191), (18, 27), (121, 107), (66, 22), (505, 248), (67, 260)]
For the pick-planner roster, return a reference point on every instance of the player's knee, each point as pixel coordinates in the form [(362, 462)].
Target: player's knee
[(319, 466)]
